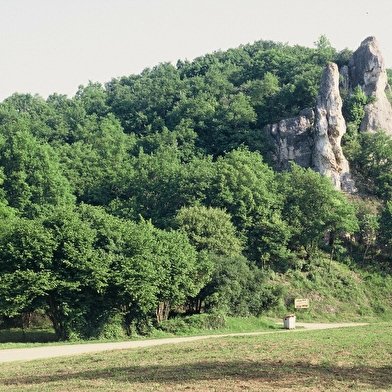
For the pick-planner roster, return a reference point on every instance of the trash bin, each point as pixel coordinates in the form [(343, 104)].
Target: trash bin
[(289, 321)]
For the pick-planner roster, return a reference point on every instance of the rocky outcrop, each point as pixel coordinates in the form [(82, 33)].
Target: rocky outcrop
[(330, 126), (313, 139), (293, 140), (366, 68)]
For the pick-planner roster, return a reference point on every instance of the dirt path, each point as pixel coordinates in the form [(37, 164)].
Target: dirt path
[(28, 354)]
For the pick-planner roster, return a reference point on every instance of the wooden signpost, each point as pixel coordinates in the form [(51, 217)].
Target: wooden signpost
[(301, 303)]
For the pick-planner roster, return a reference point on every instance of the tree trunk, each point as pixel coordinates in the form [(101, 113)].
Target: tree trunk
[(53, 315), (162, 311)]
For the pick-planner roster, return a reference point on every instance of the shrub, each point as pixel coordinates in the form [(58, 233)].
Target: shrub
[(189, 324)]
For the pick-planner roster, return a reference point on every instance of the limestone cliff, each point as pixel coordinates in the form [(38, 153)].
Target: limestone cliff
[(366, 68), (293, 140), (313, 139), (330, 126)]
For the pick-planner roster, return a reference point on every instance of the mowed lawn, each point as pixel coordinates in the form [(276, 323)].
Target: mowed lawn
[(344, 359)]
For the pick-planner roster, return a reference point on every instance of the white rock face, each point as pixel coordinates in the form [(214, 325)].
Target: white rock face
[(366, 68), (330, 126), (293, 140), (313, 139)]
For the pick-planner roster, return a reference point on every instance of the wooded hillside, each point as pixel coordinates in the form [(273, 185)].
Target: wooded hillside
[(156, 193)]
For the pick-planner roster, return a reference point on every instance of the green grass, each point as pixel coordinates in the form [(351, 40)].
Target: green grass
[(358, 359), (16, 338), (341, 294)]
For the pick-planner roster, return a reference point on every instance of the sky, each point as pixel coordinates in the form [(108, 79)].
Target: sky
[(53, 46)]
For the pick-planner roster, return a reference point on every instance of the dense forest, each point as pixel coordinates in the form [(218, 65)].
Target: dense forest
[(155, 194)]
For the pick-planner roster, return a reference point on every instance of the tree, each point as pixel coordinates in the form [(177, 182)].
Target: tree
[(367, 236), (385, 228), (209, 229), (182, 274), (325, 52), (26, 250), (50, 264), (372, 163), (244, 187), (82, 266), (33, 178), (311, 207), (141, 102), (152, 191), (239, 288), (99, 165), (93, 98), (28, 112)]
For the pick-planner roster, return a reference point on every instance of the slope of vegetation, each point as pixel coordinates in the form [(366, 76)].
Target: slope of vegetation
[(154, 196)]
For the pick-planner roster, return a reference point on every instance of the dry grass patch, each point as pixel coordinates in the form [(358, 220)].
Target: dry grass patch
[(330, 360)]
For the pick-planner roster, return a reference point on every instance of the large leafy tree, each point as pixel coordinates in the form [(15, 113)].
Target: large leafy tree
[(311, 207), (51, 264), (141, 102), (29, 112), (182, 273), (385, 228), (26, 254), (245, 188), (152, 191), (372, 162), (98, 165), (93, 98), (82, 266), (33, 179), (209, 229)]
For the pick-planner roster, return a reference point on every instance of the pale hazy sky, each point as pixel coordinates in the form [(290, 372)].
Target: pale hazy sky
[(50, 46)]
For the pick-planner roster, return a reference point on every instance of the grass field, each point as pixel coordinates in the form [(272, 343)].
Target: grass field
[(342, 359), (16, 338)]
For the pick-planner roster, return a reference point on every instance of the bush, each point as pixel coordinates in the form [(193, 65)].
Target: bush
[(189, 324), (206, 321), (113, 328)]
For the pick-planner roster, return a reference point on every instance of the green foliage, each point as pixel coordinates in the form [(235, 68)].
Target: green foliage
[(209, 229), (353, 108), (181, 275), (239, 288), (151, 193), (93, 98), (325, 51), (152, 188), (373, 164), (80, 265), (366, 237), (99, 166), (338, 293), (385, 232), (311, 207), (33, 179), (193, 323), (113, 328), (244, 186)]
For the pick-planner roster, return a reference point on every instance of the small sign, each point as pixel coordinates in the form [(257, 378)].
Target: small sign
[(301, 303)]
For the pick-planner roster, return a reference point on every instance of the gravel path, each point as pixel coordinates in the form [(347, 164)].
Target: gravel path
[(28, 354)]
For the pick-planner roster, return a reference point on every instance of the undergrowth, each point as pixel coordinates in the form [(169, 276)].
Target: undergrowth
[(336, 292)]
